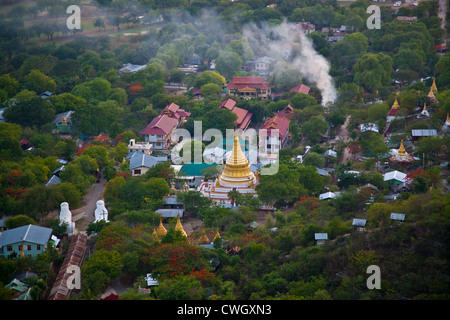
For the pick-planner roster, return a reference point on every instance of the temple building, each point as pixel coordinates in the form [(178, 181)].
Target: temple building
[(250, 87), (401, 156), (236, 175)]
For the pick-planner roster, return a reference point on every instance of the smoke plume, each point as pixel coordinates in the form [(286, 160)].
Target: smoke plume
[(291, 52)]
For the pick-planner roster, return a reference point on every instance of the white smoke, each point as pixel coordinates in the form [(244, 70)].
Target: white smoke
[(292, 51)]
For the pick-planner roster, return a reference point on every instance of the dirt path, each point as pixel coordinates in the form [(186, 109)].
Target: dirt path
[(344, 136), (85, 214)]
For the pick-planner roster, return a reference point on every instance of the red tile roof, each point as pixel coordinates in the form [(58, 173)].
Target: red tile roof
[(287, 112), (161, 125), (301, 89), (250, 82), (282, 124), (243, 115)]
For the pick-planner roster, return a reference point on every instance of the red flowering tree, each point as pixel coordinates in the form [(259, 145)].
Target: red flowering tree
[(167, 260), (113, 236)]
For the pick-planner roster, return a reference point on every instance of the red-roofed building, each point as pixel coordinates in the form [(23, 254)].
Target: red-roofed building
[(244, 116), (159, 130), (301, 89), (250, 87), (174, 111), (277, 134), (287, 112)]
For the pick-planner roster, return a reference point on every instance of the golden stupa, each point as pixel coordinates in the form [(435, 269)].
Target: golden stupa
[(402, 155), (433, 86), (431, 94), (203, 239), (237, 169), (236, 175), (155, 235), (179, 226), (395, 105), (217, 235), (161, 231)]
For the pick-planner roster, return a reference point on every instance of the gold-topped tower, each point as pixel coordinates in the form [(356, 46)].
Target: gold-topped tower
[(433, 86), (236, 175), (237, 169), (161, 230), (179, 226)]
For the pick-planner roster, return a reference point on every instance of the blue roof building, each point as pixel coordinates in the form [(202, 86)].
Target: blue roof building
[(29, 240)]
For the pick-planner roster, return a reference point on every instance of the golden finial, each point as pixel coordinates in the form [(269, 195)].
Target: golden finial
[(64, 121), (395, 105), (401, 151), (179, 226), (217, 235), (203, 239), (155, 235), (433, 86), (161, 231)]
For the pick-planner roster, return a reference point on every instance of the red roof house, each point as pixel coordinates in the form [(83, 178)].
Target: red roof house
[(276, 139), (287, 112), (244, 116), (301, 89), (250, 87), (159, 130)]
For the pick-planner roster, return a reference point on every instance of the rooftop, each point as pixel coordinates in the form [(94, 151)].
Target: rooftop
[(29, 233)]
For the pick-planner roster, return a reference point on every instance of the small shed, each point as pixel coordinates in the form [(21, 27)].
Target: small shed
[(397, 216), (320, 238), (360, 224)]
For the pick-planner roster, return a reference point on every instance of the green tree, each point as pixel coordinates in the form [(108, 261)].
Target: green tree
[(373, 71), (35, 111), (228, 63), (314, 128), (38, 82)]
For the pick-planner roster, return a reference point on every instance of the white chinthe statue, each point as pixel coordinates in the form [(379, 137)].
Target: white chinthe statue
[(66, 216), (101, 213)]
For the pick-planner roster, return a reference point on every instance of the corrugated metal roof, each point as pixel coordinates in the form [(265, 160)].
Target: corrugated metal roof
[(140, 159), (29, 233), (359, 222), (398, 216), (423, 132), (321, 236)]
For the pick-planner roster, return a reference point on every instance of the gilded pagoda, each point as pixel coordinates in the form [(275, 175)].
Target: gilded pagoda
[(236, 175)]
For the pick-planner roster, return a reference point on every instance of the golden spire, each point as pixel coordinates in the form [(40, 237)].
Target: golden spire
[(217, 235), (64, 121), (395, 105), (161, 231), (236, 165), (155, 235), (179, 226), (433, 86), (203, 239), (430, 94), (424, 106), (401, 151)]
